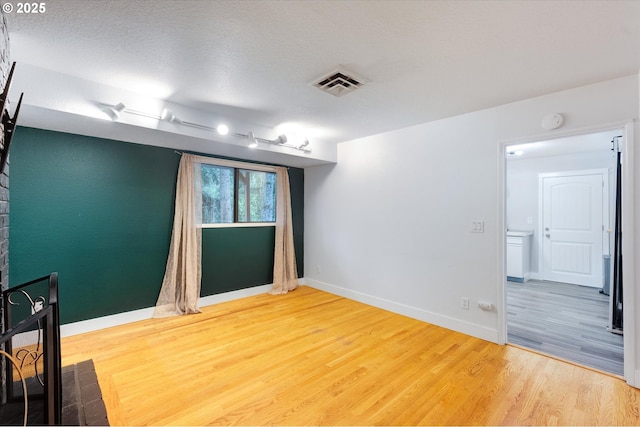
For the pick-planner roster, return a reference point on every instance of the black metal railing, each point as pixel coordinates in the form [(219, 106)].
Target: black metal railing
[(31, 338)]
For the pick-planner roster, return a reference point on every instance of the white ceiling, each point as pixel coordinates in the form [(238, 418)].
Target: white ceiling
[(250, 62)]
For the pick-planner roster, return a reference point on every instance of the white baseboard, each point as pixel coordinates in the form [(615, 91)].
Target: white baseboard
[(104, 322), (25, 339), (458, 325), (96, 324), (233, 295), (468, 328)]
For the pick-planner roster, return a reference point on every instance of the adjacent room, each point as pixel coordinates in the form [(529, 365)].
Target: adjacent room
[(319, 212), (560, 298)]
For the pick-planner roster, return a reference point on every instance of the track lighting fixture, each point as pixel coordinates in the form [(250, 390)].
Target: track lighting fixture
[(115, 111), (281, 140)]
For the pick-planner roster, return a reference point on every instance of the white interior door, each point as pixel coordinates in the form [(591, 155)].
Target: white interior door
[(572, 227)]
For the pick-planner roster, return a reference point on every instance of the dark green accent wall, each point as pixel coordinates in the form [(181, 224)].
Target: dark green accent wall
[(234, 258), (100, 213), (296, 187)]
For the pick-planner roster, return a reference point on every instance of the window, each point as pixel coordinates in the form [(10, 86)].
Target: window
[(232, 195), (218, 189), (256, 196)]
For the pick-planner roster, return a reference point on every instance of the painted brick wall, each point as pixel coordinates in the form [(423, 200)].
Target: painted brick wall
[(4, 190), (4, 178)]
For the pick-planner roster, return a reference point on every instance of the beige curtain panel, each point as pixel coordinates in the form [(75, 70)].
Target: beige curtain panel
[(180, 290), (285, 273)]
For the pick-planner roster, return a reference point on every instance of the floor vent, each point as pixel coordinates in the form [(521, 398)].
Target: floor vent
[(338, 82)]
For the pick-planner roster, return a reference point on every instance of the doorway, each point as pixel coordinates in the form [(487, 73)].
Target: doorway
[(558, 192)]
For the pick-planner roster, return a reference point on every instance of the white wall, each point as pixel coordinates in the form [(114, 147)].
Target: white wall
[(391, 220), (390, 223), (522, 188)]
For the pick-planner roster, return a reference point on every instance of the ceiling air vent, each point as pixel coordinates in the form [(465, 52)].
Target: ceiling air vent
[(338, 82)]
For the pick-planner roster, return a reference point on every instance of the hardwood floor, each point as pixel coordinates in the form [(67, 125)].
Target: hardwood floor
[(313, 358), (564, 320)]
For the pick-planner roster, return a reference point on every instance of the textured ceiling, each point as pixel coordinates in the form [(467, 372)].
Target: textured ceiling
[(253, 60)]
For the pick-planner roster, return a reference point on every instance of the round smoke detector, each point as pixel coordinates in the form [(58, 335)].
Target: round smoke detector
[(552, 121)]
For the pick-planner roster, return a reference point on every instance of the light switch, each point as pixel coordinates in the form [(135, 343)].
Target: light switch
[(529, 220), (477, 226)]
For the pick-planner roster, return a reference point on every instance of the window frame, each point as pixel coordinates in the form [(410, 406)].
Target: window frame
[(236, 165)]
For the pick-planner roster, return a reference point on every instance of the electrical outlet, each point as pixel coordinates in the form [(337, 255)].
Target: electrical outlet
[(318, 269), (464, 303), (485, 305)]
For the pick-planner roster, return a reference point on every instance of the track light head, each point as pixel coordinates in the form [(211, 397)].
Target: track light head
[(281, 139), (222, 129), (304, 144), (167, 115), (253, 142), (115, 111)]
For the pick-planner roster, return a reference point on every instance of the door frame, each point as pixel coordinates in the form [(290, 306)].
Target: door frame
[(605, 212), (631, 371)]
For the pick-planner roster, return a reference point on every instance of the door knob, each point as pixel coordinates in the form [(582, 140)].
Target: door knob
[(546, 229), (547, 235)]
